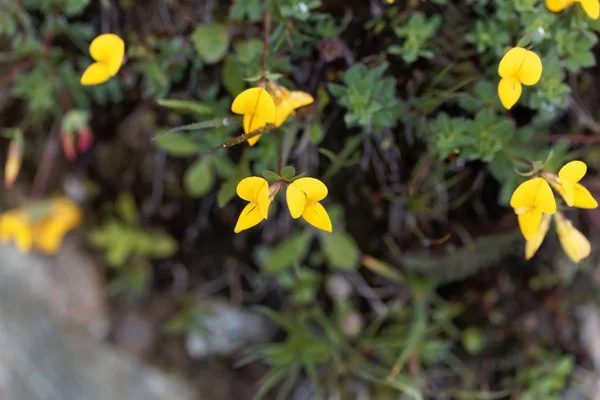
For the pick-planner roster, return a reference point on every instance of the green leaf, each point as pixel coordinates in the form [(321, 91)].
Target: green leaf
[(270, 175), (227, 191), (287, 172), (199, 178), (341, 250), (126, 208), (232, 77), (177, 144), (187, 106), (163, 246), (287, 253), (211, 42)]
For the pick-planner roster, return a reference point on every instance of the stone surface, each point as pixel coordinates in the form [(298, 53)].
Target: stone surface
[(44, 352)]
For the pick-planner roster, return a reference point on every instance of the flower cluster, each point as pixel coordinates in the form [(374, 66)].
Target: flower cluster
[(303, 196), (533, 202), (40, 226)]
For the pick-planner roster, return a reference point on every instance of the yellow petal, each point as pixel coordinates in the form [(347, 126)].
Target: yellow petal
[(49, 237), (532, 245), (254, 101), (529, 222), (583, 197), (253, 122), (252, 141), (530, 70), (249, 188), (314, 189), (95, 74), (264, 201), (573, 242), (511, 62), (591, 8), (509, 91), (107, 46), (526, 194), (572, 171), (290, 102), (283, 111), (558, 5), (296, 200), (316, 215), (568, 193), (249, 217)]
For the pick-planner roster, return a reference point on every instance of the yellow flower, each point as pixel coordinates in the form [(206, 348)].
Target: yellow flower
[(530, 200), (257, 107), (573, 242), (255, 190), (40, 226), (64, 216), (285, 103), (518, 67), (532, 245), (303, 196), (568, 186), (108, 50), (591, 7), (14, 225)]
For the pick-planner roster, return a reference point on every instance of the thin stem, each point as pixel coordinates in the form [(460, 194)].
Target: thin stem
[(520, 159), (267, 34)]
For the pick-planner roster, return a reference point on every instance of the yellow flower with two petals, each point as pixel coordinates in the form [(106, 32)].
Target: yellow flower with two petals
[(257, 107), (40, 226), (531, 200), (255, 190), (591, 7), (303, 196), (568, 186), (108, 52), (518, 67)]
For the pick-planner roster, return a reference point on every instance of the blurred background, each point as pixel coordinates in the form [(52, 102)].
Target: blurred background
[(121, 276)]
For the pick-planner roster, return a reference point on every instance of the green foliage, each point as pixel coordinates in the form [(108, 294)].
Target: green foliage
[(416, 33), (129, 247), (370, 99), (211, 42), (547, 377)]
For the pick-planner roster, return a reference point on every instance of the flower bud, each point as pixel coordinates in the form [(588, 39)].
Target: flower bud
[(68, 145), (85, 139), (14, 160)]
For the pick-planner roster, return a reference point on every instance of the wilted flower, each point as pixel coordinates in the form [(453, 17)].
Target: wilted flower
[(257, 107), (303, 196), (255, 190), (530, 200), (573, 242), (518, 67), (591, 7), (108, 50), (532, 245)]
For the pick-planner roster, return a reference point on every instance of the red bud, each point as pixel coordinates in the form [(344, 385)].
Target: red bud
[(68, 145), (85, 139)]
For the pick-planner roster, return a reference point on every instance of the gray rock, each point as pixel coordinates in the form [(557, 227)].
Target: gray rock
[(42, 359)]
